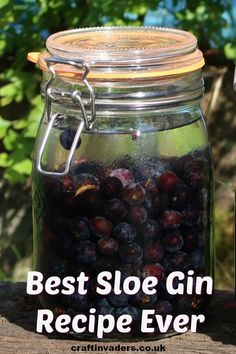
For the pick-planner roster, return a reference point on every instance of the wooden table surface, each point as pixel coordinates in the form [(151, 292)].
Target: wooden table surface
[(18, 321)]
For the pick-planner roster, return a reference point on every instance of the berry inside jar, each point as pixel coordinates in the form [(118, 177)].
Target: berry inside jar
[(125, 206)]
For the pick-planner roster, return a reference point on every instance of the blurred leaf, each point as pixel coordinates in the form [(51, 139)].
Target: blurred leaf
[(20, 124), (230, 51), (4, 3), (2, 46), (13, 176), (24, 166), (8, 90), (31, 130), (4, 160), (12, 91), (6, 100), (4, 125), (10, 140)]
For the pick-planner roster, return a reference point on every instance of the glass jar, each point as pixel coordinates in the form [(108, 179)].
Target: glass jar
[(122, 171)]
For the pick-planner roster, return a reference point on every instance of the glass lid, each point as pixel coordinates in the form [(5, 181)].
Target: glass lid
[(123, 52)]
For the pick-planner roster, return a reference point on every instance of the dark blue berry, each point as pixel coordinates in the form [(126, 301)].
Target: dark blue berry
[(115, 210), (178, 164), (103, 263), (86, 252), (124, 233), (81, 229), (167, 181), (88, 203), (144, 172), (181, 196), (137, 215), (101, 227), (163, 308), (194, 174), (91, 167), (130, 269), (58, 267), (124, 175), (182, 304), (134, 194), (142, 300), (107, 247), (197, 258), (131, 252), (154, 270), (173, 242), (156, 203), (150, 232), (178, 261), (171, 219), (78, 302), (154, 252), (111, 187), (150, 187), (103, 307), (190, 237), (67, 138), (118, 300), (129, 310), (190, 216)]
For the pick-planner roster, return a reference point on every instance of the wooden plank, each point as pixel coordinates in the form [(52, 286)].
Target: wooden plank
[(18, 319)]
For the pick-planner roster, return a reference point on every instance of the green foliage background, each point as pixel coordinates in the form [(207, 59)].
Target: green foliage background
[(24, 26)]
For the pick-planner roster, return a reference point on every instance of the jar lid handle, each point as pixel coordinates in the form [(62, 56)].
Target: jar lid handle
[(70, 155), (86, 120)]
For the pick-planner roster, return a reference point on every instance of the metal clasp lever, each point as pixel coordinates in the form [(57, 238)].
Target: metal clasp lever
[(87, 120), (71, 152)]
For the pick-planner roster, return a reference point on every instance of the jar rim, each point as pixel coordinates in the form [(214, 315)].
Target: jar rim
[(124, 52)]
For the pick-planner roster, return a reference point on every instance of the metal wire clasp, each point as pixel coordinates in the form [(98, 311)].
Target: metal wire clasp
[(87, 119)]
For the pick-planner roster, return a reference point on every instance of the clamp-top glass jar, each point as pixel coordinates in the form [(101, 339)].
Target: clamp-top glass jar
[(122, 170)]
